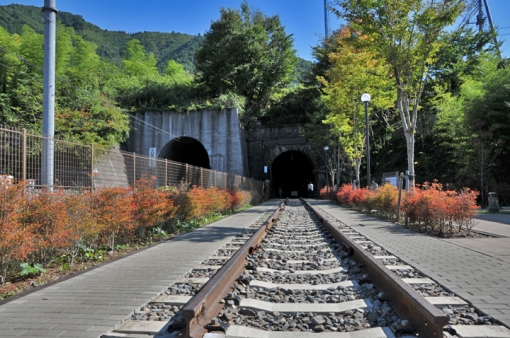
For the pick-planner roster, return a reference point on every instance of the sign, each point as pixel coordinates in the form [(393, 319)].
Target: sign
[(152, 156)]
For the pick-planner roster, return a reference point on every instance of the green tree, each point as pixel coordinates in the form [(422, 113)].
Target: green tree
[(137, 62), (405, 34), (474, 126), (246, 53), (355, 71)]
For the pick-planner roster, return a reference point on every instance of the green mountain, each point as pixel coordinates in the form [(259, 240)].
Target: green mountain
[(165, 46)]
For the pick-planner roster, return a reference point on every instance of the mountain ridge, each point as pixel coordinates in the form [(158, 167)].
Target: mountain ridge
[(180, 47)]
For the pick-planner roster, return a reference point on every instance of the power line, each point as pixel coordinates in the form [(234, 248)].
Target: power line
[(159, 130)]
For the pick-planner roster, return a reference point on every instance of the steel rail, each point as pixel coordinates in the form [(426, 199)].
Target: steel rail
[(206, 304), (407, 303)]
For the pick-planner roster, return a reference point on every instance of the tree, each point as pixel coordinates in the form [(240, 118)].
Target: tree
[(355, 71), (405, 34), (137, 62), (248, 54), (475, 128)]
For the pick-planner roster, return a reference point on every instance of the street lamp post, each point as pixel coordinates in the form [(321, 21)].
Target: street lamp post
[(365, 98), (326, 148)]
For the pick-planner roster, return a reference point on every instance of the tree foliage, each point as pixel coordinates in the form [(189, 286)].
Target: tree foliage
[(247, 53), (474, 125), (405, 34), (355, 71)]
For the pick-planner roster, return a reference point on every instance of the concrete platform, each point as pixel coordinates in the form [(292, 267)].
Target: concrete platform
[(101, 299)]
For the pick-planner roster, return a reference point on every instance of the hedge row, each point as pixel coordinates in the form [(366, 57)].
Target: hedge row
[(36, 225), (428, 207)]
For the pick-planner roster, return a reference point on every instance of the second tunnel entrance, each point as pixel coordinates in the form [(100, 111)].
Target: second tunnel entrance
[(292, 171)]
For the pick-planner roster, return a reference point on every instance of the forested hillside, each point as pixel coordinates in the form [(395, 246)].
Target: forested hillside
[(165, 46)]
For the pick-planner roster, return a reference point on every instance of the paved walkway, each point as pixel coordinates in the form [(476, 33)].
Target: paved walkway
[(97, 301), (493, 224), (479, 278)]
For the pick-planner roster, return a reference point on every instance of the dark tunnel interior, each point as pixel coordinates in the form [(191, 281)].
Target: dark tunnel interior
[(186, 150), (292, 171)]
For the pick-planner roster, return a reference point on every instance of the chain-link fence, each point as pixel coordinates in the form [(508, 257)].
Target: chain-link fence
[(83, 166)]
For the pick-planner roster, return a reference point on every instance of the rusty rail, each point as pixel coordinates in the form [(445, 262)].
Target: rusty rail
[(407, 303), (206, 305)]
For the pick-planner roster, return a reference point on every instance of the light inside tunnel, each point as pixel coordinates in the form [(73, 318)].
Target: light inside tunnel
[(292, 171), (186, 150)]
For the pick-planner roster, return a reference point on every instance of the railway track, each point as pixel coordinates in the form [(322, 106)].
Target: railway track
[(300, 273)]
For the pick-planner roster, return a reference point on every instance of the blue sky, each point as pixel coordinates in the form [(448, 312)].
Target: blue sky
[(302, 18)]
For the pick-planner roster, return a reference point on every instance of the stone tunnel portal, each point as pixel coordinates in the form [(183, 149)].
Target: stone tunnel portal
[(186, 150), (292, 171)]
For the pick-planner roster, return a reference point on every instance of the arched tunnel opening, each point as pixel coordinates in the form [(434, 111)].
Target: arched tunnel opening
[(186, 150), (292, 171)]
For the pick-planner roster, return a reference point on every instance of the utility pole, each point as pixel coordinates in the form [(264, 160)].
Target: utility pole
[(480, 20), (47, 158), (493, 31), (326, 19)]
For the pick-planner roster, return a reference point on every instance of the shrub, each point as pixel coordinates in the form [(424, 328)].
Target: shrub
[(464, 209), (81, 225), (344, 195), (45, 217), (441, 210), (327, 193), (358, 198), (247, 198), (201, 202), (220, 200), (14, 237), (385, 200), (236, 198), (150, 206), (182, 202), (112, 208)]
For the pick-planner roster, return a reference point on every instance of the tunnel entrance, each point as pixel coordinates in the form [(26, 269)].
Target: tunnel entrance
[(186, 150), (292, 171)]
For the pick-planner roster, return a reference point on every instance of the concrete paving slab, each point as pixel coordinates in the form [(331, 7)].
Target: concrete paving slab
[(385, 257), (207, 267), (192, 280), (303, 272), (171, 299), (266, 285), (495, 247), (303, 245), (236, 331), (418, 281), (476, 331), (399, 267), (142, 327), (286, 251), (258, 305), (444, 301)]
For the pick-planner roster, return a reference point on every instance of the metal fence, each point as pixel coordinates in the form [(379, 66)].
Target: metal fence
[(83, 166)]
